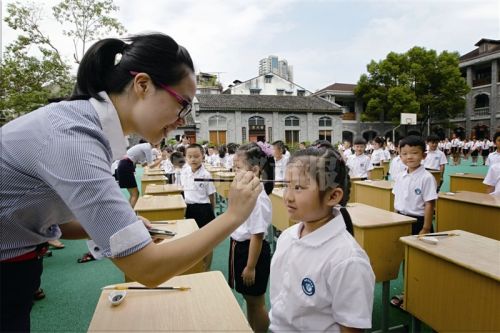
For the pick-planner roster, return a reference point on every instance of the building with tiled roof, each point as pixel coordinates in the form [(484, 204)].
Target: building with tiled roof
[(241, 118)]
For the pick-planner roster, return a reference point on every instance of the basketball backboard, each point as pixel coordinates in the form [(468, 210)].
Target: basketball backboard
[(408, 118)]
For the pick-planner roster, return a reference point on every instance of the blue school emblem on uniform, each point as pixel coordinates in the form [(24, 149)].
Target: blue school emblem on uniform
[(362, 165), (418, 191), (308, 287)]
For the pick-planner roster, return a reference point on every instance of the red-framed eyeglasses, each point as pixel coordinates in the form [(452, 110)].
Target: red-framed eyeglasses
[(187, 106)]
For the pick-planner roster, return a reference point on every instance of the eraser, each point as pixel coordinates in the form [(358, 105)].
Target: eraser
[(429, 240)]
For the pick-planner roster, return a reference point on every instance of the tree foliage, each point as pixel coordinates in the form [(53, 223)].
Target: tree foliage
[(33, 68), (413, 82)]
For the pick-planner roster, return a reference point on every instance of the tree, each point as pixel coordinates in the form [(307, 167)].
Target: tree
[(34, 68), (419, 81)]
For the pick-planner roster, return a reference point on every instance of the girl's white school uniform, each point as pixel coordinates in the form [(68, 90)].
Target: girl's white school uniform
[(387, 154), (359, 165), (378, 156), (229, 162), (259, 220), (320, 281), (493, 178), (167, 166), (280, 167)]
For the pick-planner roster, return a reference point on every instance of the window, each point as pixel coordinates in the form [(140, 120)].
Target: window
[(217, 121), (292, 137), (325, 135), (256, 120), (268, 79), (243, 134), (254, 91), (280, 92), (325, 122), (301, 92), (292, 121)]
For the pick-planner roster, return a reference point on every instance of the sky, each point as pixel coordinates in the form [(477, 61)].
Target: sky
[(326, 41)]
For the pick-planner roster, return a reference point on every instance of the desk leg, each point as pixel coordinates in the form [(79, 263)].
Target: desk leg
[(415, 325), (384, 322)]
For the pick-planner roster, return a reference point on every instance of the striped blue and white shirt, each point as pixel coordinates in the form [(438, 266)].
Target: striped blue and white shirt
[(55, 168)]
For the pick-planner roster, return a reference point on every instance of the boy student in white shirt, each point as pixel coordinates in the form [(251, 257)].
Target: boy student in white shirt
[(494, 157), (378, 155), (212, 157), (280, 160), (250, 254), (359, 164), (435, 159), (415, 191), (141, 153), (396, 166), (199, 196), (321, 279)]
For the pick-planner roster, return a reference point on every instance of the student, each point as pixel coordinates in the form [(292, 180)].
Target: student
[(434, 159), (250, 254), (347, 150), (141, 153), (231, 150), (280, 160), (58, 160), (485, 149), (492, 179), (211, 158), (199, 196), (222, 158), (396, 167), (165, 164), (494, 157), (476, 147), (467, 147), (378, 155), (359, 164), (302, 145), (415, 190), (178, 162), (321, 279)]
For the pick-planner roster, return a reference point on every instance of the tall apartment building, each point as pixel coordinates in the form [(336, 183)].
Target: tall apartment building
[(272, 64)]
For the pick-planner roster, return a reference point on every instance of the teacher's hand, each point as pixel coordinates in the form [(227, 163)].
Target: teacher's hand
[(243, 194)]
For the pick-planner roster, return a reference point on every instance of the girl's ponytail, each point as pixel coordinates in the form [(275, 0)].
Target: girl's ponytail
[(268, 173)]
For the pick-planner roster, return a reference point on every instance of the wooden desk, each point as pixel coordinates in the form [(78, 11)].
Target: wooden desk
[(478, 213), (376, 193), (214, 170), (352, 196), (454, 286), (377, 173), (209, 306), (163, 190), (386, 166), (157, 208), (438, 176), (223, 187), (467, 182), (154, 172), (148, 180), (378, 231)]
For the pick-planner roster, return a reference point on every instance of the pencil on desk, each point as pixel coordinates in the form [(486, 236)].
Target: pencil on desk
[(122, 287), (226, 180), (437, 235)]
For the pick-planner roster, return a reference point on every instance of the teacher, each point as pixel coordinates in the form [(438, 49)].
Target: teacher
[(56, 171)]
